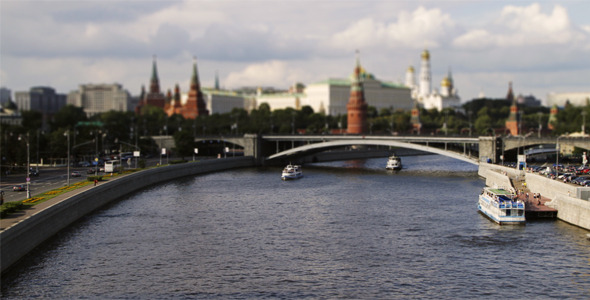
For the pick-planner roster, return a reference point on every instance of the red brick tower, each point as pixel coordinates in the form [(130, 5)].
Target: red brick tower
[(175, 105), (415, 119), (512, 122), (155, 97), (357, 107), (553, 117), (195, 105)]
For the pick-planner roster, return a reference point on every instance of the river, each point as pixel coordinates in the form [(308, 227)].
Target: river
[(345, 230)]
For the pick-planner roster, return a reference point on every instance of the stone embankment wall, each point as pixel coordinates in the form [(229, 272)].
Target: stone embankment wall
[(23, 237), (497, 176), (571, 201)]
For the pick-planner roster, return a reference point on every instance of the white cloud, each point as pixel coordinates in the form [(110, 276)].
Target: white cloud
[(420, 28), (271, 73), (519, 26)]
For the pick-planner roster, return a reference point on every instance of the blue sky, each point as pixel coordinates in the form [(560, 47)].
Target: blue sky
[(541, 46)]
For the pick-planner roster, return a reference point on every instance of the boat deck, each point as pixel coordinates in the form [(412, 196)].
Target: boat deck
[(535, 208)]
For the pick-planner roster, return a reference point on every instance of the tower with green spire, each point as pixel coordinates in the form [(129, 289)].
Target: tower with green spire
[(512, 121), (195, 105), (357, 106), (154, 97)]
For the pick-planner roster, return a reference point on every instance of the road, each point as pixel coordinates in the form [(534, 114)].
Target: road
[(48, 179), (52, 178)]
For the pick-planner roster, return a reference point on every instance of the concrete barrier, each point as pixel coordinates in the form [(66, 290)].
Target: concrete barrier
[(20, 239), (497, 176), (572, 210)]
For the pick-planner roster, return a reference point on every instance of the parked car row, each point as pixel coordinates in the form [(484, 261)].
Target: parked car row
[(568, 174)]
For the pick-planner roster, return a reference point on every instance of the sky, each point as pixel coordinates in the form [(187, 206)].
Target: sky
[(540, 46)]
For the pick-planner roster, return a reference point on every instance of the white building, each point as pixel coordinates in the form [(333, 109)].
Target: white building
[(429, 98), (576, 99), (331, 96), (220, 101), (99, 98)]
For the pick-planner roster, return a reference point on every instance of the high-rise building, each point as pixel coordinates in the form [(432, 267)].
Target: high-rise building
[(42, 99), (5, 96), (99, 98)]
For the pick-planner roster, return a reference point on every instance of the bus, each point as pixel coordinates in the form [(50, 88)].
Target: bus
[(111, 166)]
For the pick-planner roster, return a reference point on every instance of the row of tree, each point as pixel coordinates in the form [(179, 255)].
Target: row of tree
[(114, 131)]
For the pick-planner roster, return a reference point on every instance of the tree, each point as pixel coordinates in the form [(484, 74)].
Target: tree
[(68, 116), (184, 142)]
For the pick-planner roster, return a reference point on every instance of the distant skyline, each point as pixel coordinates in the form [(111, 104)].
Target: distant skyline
[(540, 46)]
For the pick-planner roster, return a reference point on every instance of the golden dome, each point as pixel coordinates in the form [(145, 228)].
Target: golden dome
[(411, 69), (445, 82), (425, 54)]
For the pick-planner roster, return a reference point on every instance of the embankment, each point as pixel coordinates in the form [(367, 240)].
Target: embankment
[(572, 202), (20, 239)]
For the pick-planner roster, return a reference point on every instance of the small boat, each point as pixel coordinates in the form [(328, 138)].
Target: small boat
[(292, 172), (501, 206), (394, 162)]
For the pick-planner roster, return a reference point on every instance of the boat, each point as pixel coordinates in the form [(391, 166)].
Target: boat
[(501, 206), (292, 172), (394, 162)]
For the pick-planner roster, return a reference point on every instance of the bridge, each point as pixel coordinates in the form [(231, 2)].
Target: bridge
[(276, 149)]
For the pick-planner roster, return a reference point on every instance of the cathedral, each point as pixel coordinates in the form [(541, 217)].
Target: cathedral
[(427, 97)]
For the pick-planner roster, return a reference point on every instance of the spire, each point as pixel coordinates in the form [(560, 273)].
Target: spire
[(356, 80), (510, 95), (154, 82), (154, 70), (195, 78)]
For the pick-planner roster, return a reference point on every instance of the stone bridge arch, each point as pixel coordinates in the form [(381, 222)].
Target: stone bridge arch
[(320, 146)]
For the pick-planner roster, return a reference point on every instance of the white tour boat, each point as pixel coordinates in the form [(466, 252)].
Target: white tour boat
[(292, 172), (501, 206), (394, 162)]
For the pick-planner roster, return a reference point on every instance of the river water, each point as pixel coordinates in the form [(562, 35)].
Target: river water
[(345, 230)]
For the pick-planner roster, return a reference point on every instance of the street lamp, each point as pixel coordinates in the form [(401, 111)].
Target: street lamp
[(67, 134), (28, 165), (540, 125), (557, 152), (583, 122)]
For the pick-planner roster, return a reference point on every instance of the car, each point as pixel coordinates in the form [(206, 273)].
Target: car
[(76, 174), (33, 173), (19, 188)]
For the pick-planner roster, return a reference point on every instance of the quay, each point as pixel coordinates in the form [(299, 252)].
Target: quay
[(535, 208), (567, 202)]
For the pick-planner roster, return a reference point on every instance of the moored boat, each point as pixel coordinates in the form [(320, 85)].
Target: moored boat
[(292, 172), (394, 162), (501, 206)]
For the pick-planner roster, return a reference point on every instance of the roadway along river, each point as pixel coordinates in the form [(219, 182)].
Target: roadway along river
[(345, 230)]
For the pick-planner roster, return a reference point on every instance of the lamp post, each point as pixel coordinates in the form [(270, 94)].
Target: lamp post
[(28, 166), (540, 125), (583, 122), (67, 134), (37, 167), (557, 152)]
